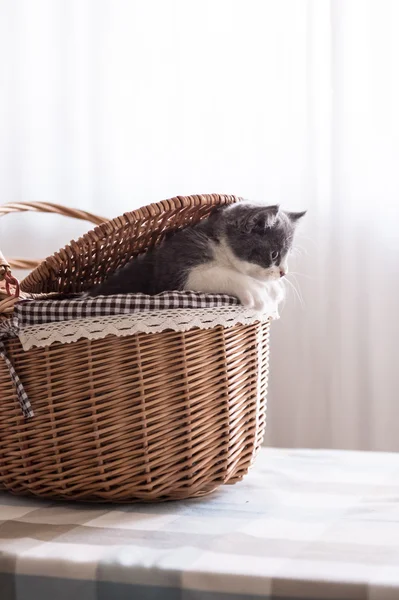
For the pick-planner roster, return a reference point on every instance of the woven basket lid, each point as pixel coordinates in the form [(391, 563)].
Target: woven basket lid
[(100, 252)]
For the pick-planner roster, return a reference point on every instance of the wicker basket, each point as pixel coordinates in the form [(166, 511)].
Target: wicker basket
[(146, 417)]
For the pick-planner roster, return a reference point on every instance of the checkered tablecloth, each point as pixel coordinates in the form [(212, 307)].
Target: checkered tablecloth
[(302, 525)]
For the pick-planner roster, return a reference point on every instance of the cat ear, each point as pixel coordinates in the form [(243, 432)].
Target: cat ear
[(263, 218), (296, 216)]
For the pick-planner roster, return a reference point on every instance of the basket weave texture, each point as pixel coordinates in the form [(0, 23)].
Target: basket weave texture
[(145, 417)]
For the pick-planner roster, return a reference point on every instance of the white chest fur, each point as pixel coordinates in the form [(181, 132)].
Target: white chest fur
[(227, 274)]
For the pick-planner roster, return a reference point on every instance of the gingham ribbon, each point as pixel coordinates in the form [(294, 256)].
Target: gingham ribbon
[(34, 312), (9, 328), (19, 388)]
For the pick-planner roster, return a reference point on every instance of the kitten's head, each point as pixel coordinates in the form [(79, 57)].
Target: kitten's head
[(259, 239)]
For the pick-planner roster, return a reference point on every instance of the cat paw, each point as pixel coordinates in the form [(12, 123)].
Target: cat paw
[(276, 291), (254, 297)]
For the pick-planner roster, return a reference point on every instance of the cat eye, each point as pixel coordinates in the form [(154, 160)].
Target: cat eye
[(274, 255)]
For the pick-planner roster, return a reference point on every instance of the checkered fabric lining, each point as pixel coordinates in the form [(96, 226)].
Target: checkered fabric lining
[(34, 312)]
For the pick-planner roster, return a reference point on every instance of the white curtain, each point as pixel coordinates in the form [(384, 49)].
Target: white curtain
[(111, 104)]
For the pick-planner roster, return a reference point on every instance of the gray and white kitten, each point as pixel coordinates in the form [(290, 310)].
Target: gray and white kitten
[(239, 250)]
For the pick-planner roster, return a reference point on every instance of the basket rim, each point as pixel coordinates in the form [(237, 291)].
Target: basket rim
[(51, 267)]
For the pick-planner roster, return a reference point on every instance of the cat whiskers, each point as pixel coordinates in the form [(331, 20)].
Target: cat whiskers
[(297, 292), (301, 275)]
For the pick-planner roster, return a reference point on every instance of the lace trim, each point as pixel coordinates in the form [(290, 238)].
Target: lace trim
[(153, 321)]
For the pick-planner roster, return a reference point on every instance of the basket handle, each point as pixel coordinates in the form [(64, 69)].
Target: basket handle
[(43, 207)]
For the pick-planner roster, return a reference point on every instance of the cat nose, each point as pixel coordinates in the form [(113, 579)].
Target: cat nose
[(282, 272)]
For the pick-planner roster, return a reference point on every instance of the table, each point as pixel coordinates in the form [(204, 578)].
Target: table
[(303, 524)]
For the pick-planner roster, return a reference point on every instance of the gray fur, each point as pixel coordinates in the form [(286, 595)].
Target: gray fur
[(253, 233)]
